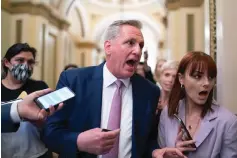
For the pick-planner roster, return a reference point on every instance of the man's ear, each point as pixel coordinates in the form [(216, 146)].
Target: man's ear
[(107, 47), (181, 78)]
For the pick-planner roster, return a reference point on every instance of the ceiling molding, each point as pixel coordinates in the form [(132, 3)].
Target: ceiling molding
[(176, 4), (5, 5), (69, 6), (40, 9)]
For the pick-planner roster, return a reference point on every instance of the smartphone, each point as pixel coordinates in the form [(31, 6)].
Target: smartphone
[(186, 134), (54, 98)]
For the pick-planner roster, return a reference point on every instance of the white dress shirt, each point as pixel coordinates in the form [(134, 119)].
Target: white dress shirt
[(14, 112), (109, 87)]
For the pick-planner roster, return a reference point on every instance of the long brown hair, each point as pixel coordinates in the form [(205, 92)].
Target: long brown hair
[(192, 61)]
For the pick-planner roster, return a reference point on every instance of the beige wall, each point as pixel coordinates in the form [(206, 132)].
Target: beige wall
[(177, 30), (5, 32), (226, 54)]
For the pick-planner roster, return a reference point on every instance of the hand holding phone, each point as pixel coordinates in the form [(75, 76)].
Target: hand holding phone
[(186, 135), (184, 141), (54, 98)]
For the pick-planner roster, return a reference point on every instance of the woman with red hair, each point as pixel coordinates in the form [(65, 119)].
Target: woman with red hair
[(213, 129)]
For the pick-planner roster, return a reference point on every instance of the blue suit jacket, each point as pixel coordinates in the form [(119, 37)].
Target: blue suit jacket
[(83, 112), (6, 121)]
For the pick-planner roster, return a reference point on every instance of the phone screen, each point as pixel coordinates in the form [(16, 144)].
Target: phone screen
[(55, 97)]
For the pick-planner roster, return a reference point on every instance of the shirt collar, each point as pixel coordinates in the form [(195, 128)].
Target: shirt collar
[(109, 78)]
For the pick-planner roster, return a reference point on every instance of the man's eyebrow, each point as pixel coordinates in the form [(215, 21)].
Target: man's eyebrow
[(131, 39)]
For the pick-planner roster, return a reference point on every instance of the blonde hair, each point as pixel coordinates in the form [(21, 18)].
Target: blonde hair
[(170, 64)]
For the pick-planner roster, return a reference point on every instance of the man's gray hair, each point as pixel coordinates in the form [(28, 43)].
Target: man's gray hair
[(114, 28)]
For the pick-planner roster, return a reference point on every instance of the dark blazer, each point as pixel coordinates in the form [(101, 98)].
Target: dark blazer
[(6, 121), (83, 112)]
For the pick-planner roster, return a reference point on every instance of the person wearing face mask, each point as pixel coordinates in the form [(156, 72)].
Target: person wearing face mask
[(212, 127), (17, 65)]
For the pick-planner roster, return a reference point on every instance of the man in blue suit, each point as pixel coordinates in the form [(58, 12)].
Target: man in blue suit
[(76, 130), (12, 112)]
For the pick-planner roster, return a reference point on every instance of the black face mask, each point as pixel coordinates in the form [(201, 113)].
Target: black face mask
[(21, 72)]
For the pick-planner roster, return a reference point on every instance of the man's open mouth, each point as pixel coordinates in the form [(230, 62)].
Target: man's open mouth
[(131, 62)]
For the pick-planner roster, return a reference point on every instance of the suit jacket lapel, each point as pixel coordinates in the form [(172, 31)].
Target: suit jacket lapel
[(204, 130), (141, 112), (94, 96), (206, 126)]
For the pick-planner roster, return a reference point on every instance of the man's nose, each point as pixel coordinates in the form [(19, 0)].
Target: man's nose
[(137, 50)]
